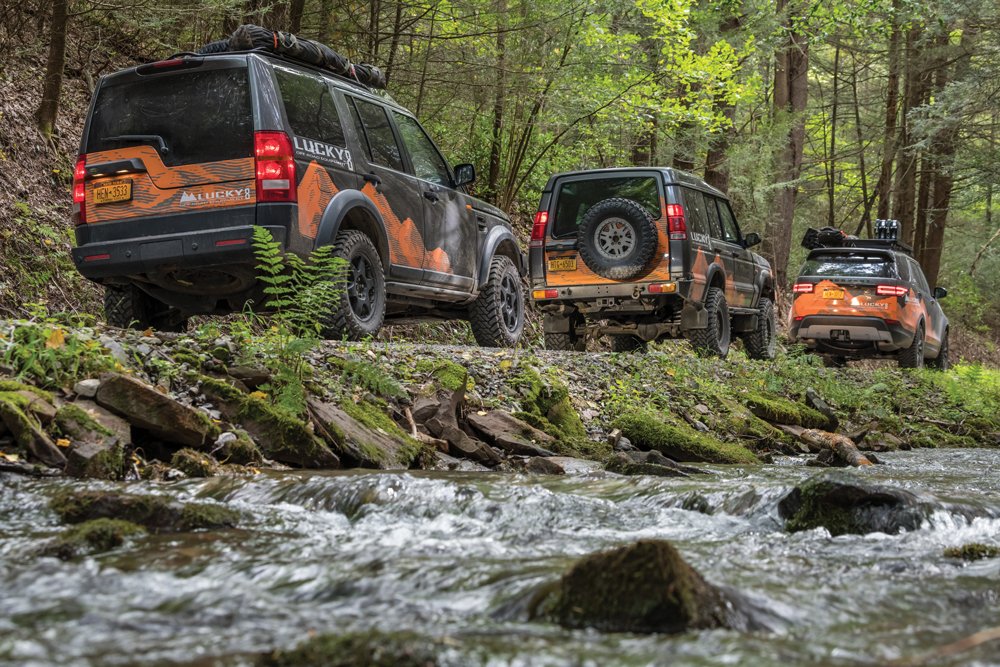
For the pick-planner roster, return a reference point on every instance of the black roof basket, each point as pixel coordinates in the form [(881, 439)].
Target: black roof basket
[(886, 233)]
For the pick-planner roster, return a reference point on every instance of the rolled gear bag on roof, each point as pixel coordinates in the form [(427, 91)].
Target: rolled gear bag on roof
[(248, 37)]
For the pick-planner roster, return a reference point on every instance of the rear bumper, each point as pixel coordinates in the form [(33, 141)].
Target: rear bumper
[(846, 333)]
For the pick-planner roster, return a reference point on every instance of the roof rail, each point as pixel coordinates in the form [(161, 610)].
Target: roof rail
[(831, 237)]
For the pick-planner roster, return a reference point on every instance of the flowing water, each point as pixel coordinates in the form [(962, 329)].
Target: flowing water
[(455, 555)]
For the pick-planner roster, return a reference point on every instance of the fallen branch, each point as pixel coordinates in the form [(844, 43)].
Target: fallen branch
[(948, 650), (842, 448)]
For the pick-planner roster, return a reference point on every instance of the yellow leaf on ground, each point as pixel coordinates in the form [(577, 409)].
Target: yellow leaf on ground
[(62, 442), (258, 394), (505, 364), (148, 333), (56, 340), (13, 458)]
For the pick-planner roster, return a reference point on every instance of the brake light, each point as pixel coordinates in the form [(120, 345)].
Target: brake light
[(538, 229), (275, 167), (80, 191), (545, 294), (892, 290), (803, 288), (662, 288), (676, 224)]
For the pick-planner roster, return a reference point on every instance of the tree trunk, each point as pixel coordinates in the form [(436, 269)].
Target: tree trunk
[(905, 190), (397, 24), (866, 215), (716, 170), (493, 179), (832, 171), (325, 13), (883, 186), (790, 96), (295, 9), (926, 178), (49, 107)]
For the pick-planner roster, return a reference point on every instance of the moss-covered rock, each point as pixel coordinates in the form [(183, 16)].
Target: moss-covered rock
[(27, 430), (973, 551), (448, 374), (194, 463), (679, 441), (74, 422), (783, 411), (360, 649), (279, 435), (241, 450), (92, 537), (146, 408), (845, 504), (642, 587), (156, 513)]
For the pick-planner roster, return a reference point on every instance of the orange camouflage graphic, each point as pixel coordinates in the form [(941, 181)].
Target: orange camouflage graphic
[(406, 244), (699, 279), (316, 189), (166, 189)]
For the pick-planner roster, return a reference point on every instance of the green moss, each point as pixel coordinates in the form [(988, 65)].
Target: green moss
[(194, 463), (92, 537), (546, 406), (679, 441), (181, 357), (930, 436), (15, 386), (374, 416), (243, 450), (72, 419), (783, 411), (371, 649), (156, 513), (198, 516), (448, 374), (973, 551)]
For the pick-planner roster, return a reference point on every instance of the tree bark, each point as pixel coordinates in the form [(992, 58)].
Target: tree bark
[(832, 170), (496, 142), (905, 190), (883, 185), (716, 169), (397, 25), (48, 110), (295, 9)]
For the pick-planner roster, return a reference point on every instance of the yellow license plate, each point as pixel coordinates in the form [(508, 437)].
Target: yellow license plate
[(563, 264), (833, 294), (112, 192)]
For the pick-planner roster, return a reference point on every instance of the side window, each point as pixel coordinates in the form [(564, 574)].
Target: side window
[(309, 106), (730, 232), (903, 268), (713, 215), (917, 275), (382, 146), (427, 161), (694, 210)]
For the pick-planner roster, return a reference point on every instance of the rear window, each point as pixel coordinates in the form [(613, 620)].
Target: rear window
[(851, 265), (202, 116), (576, 197)]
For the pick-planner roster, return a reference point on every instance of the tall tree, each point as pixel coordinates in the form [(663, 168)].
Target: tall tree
[(48, 110)]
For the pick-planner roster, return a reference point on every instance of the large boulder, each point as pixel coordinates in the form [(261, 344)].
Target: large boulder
[(845, 504), (95, 451), (514, 436), (163, 417), (363, 432), (642, 587)]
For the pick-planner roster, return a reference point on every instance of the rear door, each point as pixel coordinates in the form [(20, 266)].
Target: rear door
[(169, 141), (730, 246), (450, 233), (934, 320), (323, 164), (395, 193)]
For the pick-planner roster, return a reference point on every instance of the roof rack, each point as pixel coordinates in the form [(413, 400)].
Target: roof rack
[(886, 232)]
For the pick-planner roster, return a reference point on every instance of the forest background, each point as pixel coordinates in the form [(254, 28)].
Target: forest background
[(808, 113)]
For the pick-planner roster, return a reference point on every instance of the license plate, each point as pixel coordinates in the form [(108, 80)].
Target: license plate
[(114, 191), (833, 294), (563, 264)]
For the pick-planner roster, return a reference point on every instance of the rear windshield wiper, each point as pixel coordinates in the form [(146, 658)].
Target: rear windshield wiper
[(154, 138)]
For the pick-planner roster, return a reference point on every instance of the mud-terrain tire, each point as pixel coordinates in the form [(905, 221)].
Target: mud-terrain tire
[(565, 342), (715, 338), (762, 341), (942, 362), (627, 343), (913, 356), (497, 316), (359, 309), (128, 307), (617, 238)]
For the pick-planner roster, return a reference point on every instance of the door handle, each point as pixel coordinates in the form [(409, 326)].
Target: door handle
[(373, 179), (430, 196)]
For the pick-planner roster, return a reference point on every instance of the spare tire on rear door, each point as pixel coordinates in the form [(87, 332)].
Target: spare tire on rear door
[(616, 238)]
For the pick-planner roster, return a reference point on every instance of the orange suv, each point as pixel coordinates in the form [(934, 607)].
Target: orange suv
[(857, 298)]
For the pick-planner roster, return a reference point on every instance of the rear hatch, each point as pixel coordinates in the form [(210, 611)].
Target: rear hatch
[(555, 257), (849, 282), (168, 138)]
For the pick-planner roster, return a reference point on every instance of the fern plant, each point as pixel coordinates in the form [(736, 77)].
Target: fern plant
[(300, 295)]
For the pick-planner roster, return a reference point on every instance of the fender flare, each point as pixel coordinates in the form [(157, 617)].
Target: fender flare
[(494, 238), (339, 207), (765, 284), (713, 271)]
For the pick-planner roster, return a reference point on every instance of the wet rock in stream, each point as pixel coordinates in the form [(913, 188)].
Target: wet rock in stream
[(156, 513), (362, 649), (643, 587), (845, 504)]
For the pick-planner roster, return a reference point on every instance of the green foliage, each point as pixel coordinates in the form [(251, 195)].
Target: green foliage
[(368, 376), (48, 355)]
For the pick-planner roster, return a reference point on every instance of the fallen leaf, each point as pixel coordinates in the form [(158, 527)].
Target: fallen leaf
[(13, 458), (258, 395), (62, 442), (505, 364), (148, 333), (56, 340)]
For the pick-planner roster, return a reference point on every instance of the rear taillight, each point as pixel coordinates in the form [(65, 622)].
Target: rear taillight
[(275, 167), (545, 294), (80, 191), (675, 222), (803, 288), (892, 290), (538, 229)]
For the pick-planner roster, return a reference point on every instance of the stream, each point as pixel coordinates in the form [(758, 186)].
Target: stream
[(456, 555)]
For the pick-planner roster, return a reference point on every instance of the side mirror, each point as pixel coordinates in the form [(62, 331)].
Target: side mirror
[(464, 174), (751, 239), (940, 292)]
